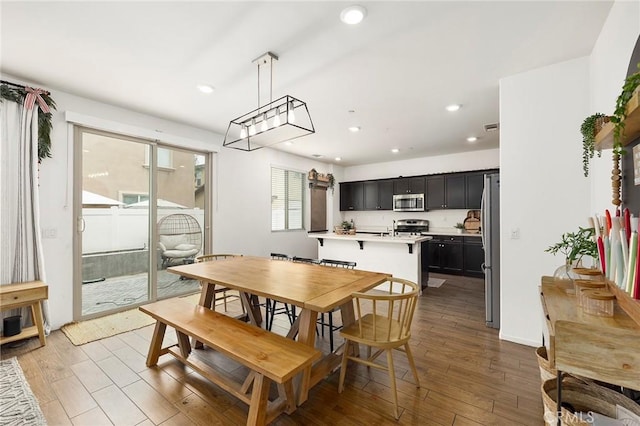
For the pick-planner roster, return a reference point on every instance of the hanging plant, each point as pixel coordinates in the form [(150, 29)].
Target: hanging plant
[(332, 182), (17, 95), (589, 129), (620, 113)]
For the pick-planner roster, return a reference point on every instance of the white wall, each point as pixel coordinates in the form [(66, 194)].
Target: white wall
[(242, 206), (243, 184), (542, 190), (476, 160), (608, 64)]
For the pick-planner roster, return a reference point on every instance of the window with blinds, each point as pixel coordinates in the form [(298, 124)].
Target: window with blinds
[(287, 199)]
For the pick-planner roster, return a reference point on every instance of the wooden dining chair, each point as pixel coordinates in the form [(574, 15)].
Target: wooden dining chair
[(383, 322), (218, 289), (332, 328), (271, 309)]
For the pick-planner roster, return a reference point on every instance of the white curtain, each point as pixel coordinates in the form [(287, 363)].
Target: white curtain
[(20, 243)]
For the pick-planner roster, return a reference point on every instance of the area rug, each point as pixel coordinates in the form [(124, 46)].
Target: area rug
[(435, 282), (18, 405), (88, 331)]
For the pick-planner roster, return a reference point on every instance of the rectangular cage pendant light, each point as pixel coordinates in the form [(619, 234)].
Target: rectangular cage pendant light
[(277, 121), (281, 120)]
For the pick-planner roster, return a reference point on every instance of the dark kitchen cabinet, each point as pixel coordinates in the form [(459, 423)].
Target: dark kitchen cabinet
[(455, 191), (473, 257), (413, 185), (435, 192), (446, 255), (378, 195), (446, 192), (475, 186), (351, 196)]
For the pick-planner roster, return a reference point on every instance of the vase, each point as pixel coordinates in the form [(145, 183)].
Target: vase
[(566, 272)]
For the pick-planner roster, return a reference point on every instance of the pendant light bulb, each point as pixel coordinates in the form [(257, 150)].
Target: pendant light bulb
[(252, 127), (243, 131), (291, 116), (276, 118), (265, 125)]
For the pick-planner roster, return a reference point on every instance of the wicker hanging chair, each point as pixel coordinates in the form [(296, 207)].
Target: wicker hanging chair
[(179, 238)]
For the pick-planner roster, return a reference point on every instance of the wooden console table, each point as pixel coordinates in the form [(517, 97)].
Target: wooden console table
[(605, 349), (25, 294)]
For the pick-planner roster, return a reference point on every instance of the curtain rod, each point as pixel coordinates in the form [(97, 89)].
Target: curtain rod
[(22, 86)]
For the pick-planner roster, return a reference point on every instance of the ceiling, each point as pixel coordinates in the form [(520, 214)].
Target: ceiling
[(397, 70)]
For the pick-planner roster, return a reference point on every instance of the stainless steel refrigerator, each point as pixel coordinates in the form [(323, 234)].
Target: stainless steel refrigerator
[(490, 217)]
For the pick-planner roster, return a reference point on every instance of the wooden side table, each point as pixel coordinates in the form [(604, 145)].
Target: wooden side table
[(25, 294)]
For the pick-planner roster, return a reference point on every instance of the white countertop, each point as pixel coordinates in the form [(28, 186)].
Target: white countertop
[(372, 237), (452, 232)]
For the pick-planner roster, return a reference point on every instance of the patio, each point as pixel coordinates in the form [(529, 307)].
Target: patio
[(129, 290)]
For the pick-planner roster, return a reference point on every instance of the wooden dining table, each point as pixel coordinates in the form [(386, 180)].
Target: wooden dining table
[(312, 288)]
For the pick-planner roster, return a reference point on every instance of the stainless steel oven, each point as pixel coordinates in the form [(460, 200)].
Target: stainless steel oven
[(408, 203)]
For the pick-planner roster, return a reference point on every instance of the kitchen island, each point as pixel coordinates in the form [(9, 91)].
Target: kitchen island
[(401, 256)]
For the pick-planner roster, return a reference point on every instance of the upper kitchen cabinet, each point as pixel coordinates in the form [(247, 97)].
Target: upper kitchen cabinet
[(446, 192), (351, 196), (475, 186), (412, 185), (378, 195)]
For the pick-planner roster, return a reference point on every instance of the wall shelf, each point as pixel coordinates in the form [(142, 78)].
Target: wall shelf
[(604, 138)]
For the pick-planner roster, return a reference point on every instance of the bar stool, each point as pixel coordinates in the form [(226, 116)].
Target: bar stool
[(270, 307), (332, 328)]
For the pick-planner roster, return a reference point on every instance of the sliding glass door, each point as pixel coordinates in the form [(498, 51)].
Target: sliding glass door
[(140, 209)]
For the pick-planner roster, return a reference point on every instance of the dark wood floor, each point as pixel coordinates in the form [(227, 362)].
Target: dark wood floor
[(468, 377)]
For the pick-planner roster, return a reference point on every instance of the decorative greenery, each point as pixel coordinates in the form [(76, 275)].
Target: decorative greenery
[(346, 225), (620, 113), (17, 94), (575, 245), (588, 130), (459, 225), (332, 182)]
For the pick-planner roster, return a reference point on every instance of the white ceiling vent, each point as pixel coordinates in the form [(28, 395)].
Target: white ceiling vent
[(491, 127)]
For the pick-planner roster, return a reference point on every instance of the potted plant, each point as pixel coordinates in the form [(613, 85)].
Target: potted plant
[(589, 128), (460, 227), (574, 246), (345, 227)]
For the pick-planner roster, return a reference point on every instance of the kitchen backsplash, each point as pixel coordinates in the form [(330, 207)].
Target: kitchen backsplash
[(383, 220)]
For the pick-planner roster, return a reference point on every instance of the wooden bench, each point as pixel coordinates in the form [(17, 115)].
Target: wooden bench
[(269, 356), (30, 294)]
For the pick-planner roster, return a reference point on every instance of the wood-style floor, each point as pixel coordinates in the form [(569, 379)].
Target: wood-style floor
[(468, 377)]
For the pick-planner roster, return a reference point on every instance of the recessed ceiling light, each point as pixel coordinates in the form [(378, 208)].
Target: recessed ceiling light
[(205, 88), (453, 107), (472, 139), (288, 143), (395, 150), (353, 15), (338, 159), (354, 129)]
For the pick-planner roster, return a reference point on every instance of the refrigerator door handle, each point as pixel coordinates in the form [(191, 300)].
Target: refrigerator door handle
[(483, 215)]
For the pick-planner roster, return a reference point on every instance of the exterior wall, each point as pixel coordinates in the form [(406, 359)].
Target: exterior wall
[(113, 167)]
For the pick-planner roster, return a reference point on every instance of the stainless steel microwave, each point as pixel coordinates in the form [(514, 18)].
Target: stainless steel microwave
[(408, 203)]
